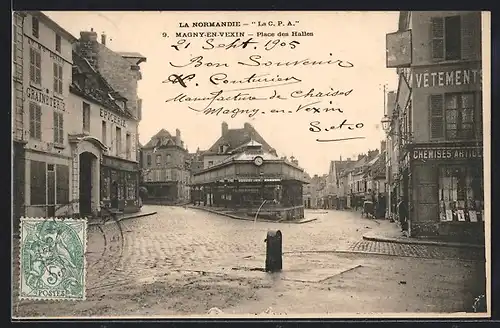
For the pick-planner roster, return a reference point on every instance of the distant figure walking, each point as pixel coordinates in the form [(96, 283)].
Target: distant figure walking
[(403, 214)]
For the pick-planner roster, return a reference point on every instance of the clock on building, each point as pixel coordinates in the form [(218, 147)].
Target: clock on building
[(258, 160)]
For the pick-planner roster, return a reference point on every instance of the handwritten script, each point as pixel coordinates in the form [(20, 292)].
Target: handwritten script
[(265, 68)]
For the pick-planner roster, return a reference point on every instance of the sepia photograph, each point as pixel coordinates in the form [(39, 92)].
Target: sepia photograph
[(171, 164)]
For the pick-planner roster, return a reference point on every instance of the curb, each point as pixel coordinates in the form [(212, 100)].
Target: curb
[(420, 242), (133, 216), (243, 219)]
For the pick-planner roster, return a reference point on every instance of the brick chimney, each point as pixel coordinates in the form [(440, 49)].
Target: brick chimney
[(178, 137), (360, 156), (103, 39), (224, 128), (88, 47), (247, 126)]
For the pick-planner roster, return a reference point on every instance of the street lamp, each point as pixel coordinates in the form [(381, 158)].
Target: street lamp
[(386, 123)]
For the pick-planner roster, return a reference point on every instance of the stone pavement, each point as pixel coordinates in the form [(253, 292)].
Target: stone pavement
[(309, 215), (391, 232), (183, 260)]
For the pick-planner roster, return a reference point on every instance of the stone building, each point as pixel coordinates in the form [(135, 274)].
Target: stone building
[(439, 117), (165, 162), (42, 69), (243, 173)]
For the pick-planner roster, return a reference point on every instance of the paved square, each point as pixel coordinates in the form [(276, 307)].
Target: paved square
[(52, 259)]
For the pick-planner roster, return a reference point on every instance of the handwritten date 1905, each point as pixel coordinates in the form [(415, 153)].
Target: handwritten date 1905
[(315, 126)]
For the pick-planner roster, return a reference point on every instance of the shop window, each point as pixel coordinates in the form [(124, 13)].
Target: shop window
[(38, 183), (35, 66), (460, 193), (105, 184), (58, 128), (58, 78), (62, 184)]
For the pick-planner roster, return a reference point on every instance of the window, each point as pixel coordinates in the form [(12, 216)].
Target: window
[(148, 160), (460, 193), (58, 128), (210, 163), (118, 138), (35, 66), (169, 158), (58, 78), (58, 43), (38, 183), (35, 121), (459, 116), (105, 184), (35, 27), (452, 116), (104, 132), (131, 186), (456, 37), (62, 182), (128, 144), (86, 117), (158, 160)]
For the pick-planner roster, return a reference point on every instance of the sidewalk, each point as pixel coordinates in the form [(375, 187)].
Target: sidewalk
[(390, 232), (233, 215)]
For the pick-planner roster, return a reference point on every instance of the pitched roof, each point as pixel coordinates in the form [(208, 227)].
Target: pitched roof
[(235, 138), (161, 138)]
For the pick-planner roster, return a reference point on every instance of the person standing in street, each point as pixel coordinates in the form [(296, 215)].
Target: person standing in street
[(403, 214)]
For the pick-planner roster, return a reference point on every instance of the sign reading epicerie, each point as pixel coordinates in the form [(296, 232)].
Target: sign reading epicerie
[(447, 77), (446, 153), (113, 118)]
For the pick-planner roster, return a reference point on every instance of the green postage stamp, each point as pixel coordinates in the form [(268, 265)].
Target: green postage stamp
[(52, 259)]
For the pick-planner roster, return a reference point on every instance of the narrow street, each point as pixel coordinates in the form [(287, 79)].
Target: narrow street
[(166, 264)]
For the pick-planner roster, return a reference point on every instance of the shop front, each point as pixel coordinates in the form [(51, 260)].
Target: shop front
[(119, 184), (447, 190)]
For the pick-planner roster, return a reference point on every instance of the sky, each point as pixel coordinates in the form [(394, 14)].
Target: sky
[(357, 38)]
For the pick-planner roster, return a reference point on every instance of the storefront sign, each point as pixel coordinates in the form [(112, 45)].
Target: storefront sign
[(44, 99), (398, 49), (119, 164), (449, 77), (447, 153), (113, 118), (404, 92)]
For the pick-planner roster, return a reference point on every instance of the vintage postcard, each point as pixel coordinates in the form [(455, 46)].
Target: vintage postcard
[(250, 164)]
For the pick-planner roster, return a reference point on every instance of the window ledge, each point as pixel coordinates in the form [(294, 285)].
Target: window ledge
[(36, 86), (58, 95), (59, 146)]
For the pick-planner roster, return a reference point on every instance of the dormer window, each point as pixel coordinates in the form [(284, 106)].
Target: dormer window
[(223, 148)]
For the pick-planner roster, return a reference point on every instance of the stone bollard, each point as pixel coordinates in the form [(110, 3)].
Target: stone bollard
[(274, 251)]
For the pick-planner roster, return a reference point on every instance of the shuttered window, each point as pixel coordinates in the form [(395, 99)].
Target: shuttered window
[(436, 116), (456, 37), (35, 66), (58, 128), (38, 183), (35, 121), (62, 184)]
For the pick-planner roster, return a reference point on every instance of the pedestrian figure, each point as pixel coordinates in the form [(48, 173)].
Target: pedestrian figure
[(403, 214)]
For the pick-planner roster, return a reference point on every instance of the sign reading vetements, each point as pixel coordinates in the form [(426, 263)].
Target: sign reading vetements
[(444, 78), (446, 153)]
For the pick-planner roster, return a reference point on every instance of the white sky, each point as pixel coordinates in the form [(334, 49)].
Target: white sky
[(357, 37)]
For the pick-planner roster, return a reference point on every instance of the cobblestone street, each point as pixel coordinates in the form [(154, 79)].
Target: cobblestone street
[(163, 263)]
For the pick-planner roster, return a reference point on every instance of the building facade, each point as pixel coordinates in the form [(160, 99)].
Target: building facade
[(439, 106), (41, 115), (251, 178), (165, 163), (74, 137)]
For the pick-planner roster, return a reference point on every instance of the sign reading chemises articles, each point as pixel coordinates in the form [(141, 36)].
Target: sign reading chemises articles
[(446, 153)]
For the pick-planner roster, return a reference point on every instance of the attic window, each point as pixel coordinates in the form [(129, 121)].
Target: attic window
[(110, 96)]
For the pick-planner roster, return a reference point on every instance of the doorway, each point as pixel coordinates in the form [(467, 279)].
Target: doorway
[(86, 160)]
